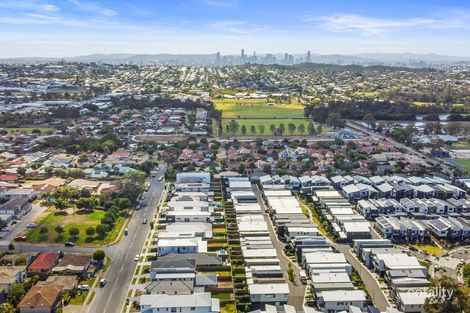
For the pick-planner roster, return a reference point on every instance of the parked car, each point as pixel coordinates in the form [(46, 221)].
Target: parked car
[(160, 178), (83, 287), (20, 238), (144, 221), (69, 244), (102, 282), (126, 232), (137, 257), (31, 225)]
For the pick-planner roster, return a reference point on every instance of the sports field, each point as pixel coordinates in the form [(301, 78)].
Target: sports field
[(256, 112), (464, 162)]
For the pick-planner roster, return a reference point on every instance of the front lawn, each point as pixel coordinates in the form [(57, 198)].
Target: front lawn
[(433, 250), (80, 220)]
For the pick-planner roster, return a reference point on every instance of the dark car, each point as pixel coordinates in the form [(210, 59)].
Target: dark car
[(69, 244), (20, 238)]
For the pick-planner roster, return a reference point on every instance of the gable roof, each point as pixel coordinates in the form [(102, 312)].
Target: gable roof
[(41, 297)]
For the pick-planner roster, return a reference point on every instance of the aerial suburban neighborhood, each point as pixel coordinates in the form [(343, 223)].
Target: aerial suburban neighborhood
[(205, 178)]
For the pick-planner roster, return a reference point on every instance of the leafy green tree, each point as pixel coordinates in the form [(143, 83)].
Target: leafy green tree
[(59, 229), (99, 255), (334, 120), (301, 129), (61, 204), (291, 127), (243, 130), (233, 127), (100, 230), (253, 129), (90, 231), (74, 231), (272, 128), (282, 129), (21, 171), (43, 230), (15, 294), (261, 128), (447, 297), (311, 128)]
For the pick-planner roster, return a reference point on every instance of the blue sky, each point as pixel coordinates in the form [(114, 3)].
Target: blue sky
[(77, 27)]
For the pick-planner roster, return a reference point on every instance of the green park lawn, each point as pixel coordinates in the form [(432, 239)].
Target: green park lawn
[(257, 108), (80, 220), (267, 123)]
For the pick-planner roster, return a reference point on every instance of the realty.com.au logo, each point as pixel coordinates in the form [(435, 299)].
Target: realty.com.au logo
[(441, 293)]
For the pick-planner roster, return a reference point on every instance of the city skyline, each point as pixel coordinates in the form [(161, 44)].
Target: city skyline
[(50, 28)]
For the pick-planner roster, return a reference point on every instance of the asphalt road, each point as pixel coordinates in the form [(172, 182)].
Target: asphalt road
[(110, 299), (296, 289), (378, 297)]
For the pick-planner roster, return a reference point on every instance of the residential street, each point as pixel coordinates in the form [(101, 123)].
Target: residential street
[(372, 284), (297, 289), (110, 299)]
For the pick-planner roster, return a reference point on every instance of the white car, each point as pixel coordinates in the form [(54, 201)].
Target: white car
[(31, 225), (84, 287), (137, 257)]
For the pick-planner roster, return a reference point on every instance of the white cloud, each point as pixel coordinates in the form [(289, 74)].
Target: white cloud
[(367, 25), (93, 7), (29, 5), (230, 26)]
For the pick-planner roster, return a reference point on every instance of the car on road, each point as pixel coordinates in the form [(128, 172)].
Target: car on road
[(126, 232), (144, 221), (20, 238), (303, 277), (31, 225), (137, 257), (6, 229), (160, 178), (102, 282), (84, 287), (69, 244)]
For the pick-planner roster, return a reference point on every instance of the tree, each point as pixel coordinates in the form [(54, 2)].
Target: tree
[(447, 296), (292, 128), (99, 255), (21, 171), (74, 231), (90, 231), (100, 230), (261, 128), (272, 128), (243, 130), (16, 292), (233, 127), (282, 128), (369, 120), (334, 120), (11, 246), (319, 129), (61, 204), (59, 229), (43, 230), (311, 128), (301, 129), (253, 129)]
